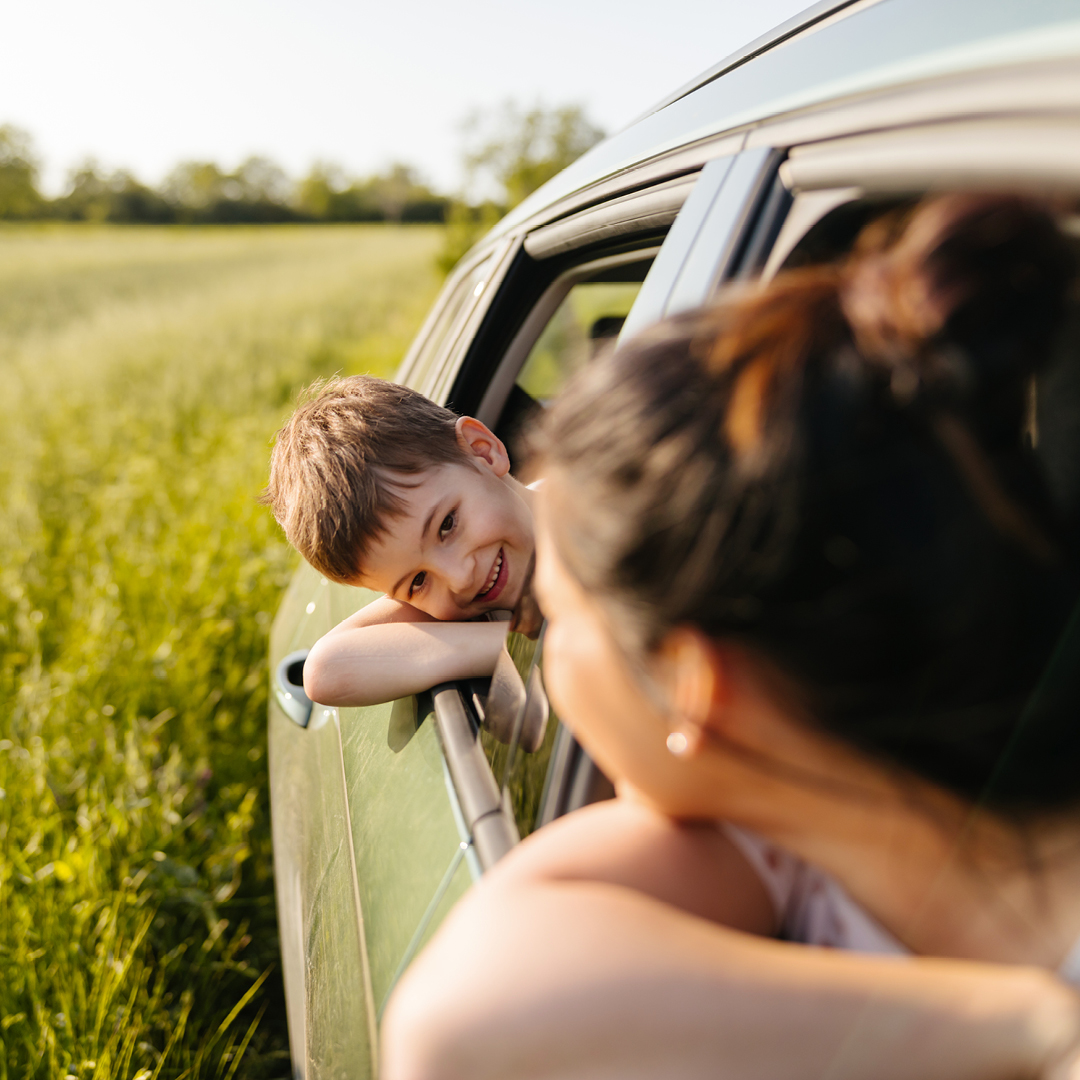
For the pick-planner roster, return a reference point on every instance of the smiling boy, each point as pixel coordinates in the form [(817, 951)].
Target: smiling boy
[(376, 486)]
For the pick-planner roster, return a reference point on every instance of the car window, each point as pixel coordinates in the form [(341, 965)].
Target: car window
[(572, 324), (588, 319), (519, 755), (1055, 428), (584, 323)]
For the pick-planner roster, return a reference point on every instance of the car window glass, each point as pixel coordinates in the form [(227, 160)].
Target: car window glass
[(585, 323), (519, 752), (589, 318), (451, 319)]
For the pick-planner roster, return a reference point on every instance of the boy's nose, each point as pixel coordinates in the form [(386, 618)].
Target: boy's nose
[(459, 578)]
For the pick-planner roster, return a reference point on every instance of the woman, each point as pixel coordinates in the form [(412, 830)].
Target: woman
[(808, 572)]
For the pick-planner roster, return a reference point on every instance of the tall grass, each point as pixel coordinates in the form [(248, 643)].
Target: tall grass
[(142, 374)]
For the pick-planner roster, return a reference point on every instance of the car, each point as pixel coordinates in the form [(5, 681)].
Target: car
[(383, 816)]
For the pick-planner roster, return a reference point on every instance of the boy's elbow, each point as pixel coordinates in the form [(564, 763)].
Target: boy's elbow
[(332, 677), (318, 680)]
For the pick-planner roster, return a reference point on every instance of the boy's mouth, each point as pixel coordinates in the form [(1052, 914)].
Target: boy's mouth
[(497, 577)]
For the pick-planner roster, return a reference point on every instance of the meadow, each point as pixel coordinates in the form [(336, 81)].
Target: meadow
[(143, 373)]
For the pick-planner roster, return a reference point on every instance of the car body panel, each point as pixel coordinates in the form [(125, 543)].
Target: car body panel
[(331, 1009)]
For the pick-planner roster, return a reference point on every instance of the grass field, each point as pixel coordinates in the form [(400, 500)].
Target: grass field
[(144, 372)]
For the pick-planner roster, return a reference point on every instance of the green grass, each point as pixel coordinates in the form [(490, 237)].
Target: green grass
[(143, 373)]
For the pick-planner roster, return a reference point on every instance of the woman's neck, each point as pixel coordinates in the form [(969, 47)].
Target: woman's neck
[(943, 876)]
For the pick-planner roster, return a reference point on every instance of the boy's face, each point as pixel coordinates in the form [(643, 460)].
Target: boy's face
[(465, 541)]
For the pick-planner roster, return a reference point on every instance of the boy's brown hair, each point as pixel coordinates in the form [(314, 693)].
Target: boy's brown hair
[(332, 470)]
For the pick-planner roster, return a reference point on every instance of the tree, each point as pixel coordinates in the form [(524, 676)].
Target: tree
[(260, 180), (521, 150), (317, 192), (194, 186), (256, 192), (508, 155), (19, 195), (398, 194), (95, 196)]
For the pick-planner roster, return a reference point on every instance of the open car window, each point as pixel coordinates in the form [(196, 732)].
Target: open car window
[(576, 320), (588, 320)]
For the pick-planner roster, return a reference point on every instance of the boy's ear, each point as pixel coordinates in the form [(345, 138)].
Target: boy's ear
[(481, 442)]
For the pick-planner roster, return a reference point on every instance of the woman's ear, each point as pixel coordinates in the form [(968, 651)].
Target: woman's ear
[(479, 441), (693, 674)]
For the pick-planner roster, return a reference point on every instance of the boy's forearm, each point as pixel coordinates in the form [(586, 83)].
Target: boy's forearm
[(371, 664), (592, 981), (378, 613)]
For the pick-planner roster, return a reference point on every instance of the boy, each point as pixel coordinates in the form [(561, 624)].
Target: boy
[(376, 486)]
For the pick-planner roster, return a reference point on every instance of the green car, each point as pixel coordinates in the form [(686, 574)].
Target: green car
[(384, 816)]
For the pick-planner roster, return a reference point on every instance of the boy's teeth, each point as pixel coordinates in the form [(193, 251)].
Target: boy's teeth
[(494, 572)]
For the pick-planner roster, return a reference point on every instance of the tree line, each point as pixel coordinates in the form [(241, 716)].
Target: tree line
[(258, 190), (507, 154)]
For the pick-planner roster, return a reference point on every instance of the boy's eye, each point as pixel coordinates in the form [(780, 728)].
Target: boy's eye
[(417, 582), (447, 523)]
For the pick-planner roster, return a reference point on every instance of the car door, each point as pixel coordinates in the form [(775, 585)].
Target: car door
[(601, 267)]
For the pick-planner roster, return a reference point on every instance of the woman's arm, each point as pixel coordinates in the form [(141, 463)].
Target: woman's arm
[(589, 981), (692, 866)]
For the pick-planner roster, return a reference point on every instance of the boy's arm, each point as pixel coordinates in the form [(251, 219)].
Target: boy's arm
[(389, 650), (382, 611)]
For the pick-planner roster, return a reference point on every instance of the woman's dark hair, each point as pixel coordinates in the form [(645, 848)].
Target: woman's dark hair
[(841, 471)]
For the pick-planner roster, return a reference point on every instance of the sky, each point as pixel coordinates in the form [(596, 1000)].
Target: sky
[(143, 84)]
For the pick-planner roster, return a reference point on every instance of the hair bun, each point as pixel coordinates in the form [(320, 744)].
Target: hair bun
[(961, 296)]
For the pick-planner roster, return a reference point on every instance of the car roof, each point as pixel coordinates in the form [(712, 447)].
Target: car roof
[(831, 50)]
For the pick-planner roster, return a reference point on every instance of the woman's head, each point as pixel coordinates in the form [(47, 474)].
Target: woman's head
[(838, 475)]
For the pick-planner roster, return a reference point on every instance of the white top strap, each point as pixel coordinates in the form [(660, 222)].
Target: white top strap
[(1069, 968)]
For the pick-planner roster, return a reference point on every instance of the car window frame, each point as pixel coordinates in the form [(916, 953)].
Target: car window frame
[(517, 352)]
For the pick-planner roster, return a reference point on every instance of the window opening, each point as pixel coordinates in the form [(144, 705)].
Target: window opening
[(585, 323)]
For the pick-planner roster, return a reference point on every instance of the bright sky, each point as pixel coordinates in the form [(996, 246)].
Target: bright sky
[(142, 84)]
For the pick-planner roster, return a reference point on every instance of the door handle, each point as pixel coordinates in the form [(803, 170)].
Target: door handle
[(289, 688)]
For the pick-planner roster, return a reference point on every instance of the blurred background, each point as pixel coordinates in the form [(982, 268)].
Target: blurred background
[(202, 209)]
